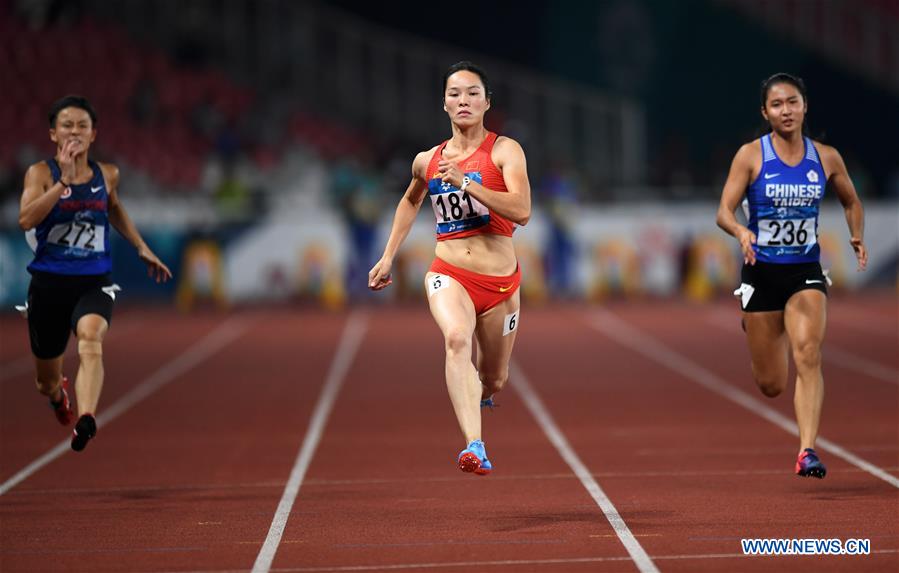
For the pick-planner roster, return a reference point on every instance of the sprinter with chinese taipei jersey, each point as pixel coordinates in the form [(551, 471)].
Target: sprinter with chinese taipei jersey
[(783, 176), (478, 186), (70, 202)]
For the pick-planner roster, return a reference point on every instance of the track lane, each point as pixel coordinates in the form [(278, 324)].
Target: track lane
[(704, 510), (230, 426), (188, 480), (393, 428)]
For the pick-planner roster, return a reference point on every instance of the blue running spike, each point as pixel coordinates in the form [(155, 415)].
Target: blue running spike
[(474, 459), (808, 464)]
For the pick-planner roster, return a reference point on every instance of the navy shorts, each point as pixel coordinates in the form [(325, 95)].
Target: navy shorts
[(57, 302), (768, 286)]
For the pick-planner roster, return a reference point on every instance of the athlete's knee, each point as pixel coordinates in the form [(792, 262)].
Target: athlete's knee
[(771, 385), (91, 328), (494, 381), (48, 384), (457, 340), (770, 388), (90, 347), (807, 355)]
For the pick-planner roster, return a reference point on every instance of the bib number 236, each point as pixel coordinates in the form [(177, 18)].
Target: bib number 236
[(786, 232)]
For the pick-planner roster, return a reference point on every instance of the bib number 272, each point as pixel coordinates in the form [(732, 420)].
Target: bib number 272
[(77, 234)]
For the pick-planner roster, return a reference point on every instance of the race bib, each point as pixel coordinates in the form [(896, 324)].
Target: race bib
[(787, 232), (455, 209), (78, 235), (510, 324), (436, 283)]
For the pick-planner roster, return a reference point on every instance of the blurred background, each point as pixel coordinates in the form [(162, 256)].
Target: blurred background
[(264, 144)]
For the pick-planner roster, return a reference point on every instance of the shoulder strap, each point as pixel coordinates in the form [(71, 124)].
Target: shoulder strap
[(810, 152), (55, 171), (489, 142), (767, 149), (438, 153)]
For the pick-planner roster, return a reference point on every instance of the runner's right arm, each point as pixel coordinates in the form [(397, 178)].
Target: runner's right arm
[(738, 180), (409, 205), (40, 193)]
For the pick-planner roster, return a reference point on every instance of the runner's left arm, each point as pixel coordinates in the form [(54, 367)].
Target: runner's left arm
[(122, 222), (514, 205), (852, 205)]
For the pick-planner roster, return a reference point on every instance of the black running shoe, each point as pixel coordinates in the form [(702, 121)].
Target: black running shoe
[(85, 429)]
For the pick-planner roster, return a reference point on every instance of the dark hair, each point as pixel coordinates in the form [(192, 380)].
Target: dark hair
[(784, 78), (71, 101), (470, 67)]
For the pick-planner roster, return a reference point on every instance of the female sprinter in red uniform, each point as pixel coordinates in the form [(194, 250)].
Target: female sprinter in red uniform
[(479, 189), (783, 176), (71, 201)]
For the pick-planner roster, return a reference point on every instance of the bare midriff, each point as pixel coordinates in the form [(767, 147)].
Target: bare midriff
[(484, 254)]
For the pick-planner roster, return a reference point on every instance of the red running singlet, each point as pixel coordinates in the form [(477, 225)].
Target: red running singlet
[(459, 214)]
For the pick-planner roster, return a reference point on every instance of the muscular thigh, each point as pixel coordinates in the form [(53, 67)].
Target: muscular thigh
[(767, 339), (496, 331), (450, 304), (805, 317)]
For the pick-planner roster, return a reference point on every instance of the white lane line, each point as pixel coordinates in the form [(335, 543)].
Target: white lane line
[(627, 335), (196, 354), (558, 439), (832, 354), (850, 361), (350, 341)]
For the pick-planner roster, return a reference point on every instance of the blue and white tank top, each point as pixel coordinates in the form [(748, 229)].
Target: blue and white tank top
[(784, 202), (73, 239)]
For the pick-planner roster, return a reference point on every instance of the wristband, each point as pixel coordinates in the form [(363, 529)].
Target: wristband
[(466, 181)]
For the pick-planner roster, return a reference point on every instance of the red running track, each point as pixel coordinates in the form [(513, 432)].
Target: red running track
[(206, 416)]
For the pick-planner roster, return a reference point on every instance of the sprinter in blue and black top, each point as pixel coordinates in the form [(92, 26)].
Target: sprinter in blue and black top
[(70, 202), (783, 176)]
